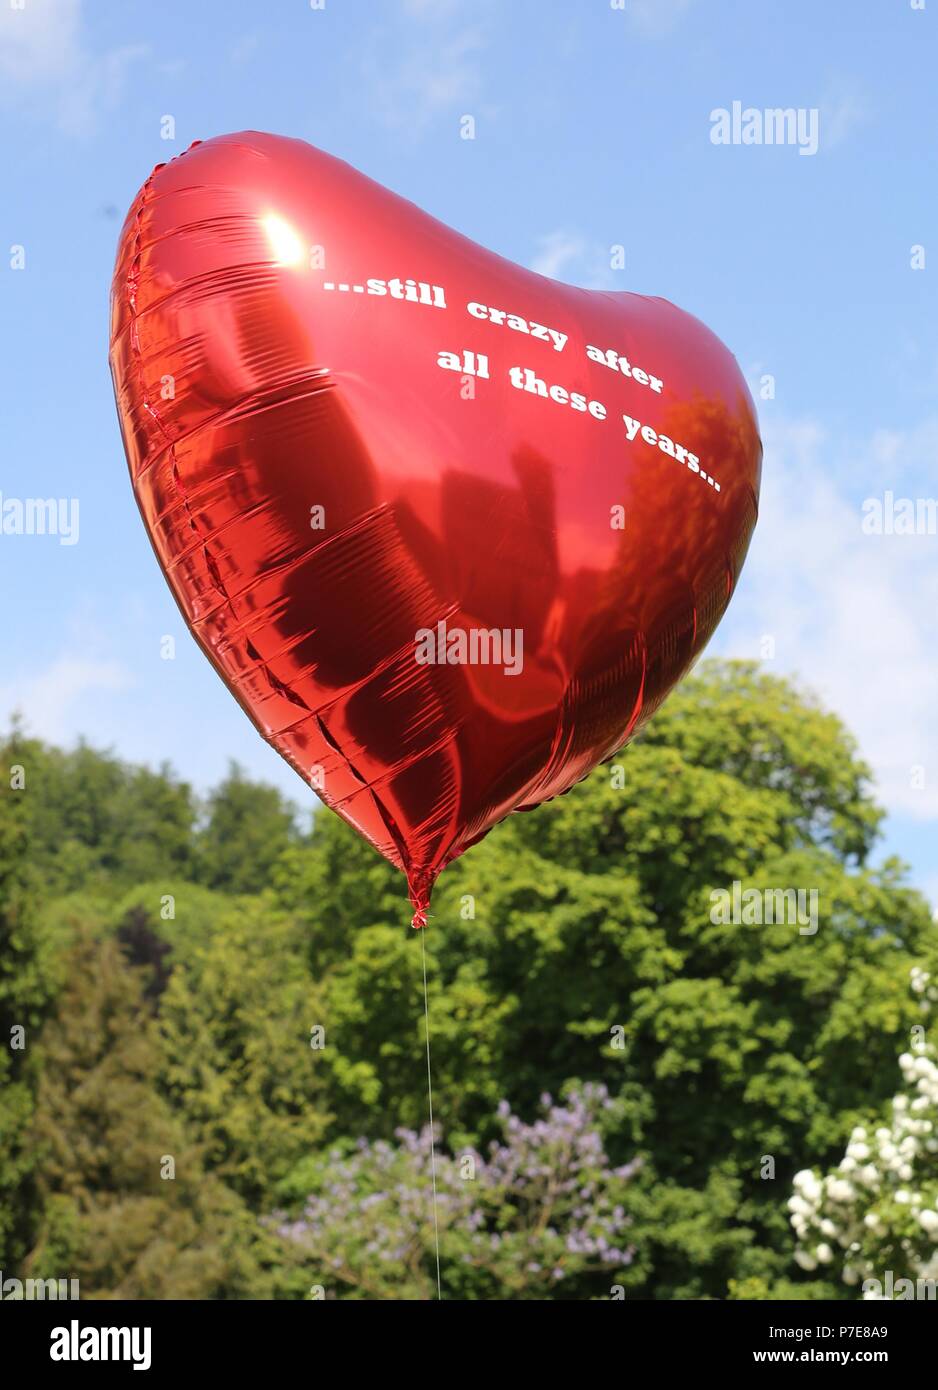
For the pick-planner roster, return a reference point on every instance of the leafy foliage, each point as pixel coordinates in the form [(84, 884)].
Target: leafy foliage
[(877, 1211), (126, 1204), (539, 1215), (173, 961)]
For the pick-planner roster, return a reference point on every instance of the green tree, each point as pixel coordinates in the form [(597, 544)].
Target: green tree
[(248, 827), (127, 1205), (28, 980), (239, 1062), (95, 819), (577, 942)]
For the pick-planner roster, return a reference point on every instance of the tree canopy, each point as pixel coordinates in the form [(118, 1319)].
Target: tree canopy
[(253, 992)]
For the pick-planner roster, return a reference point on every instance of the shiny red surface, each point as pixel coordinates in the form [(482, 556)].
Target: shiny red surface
[(249, 394)]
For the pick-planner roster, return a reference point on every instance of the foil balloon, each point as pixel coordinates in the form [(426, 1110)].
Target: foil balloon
[(448, 530)]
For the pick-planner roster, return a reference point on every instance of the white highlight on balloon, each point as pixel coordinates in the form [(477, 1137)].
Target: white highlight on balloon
[(284, 242)]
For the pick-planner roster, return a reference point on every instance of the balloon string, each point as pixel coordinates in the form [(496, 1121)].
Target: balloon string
[(426, 1014)]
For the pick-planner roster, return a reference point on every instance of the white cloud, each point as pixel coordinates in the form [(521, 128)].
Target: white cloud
[(46, 63), (244, 49), (432, 77), (430, 9), (430, 66), (900, 457), (50, 700), (843, 110), (855, 615), (656, 19), (575, 259), (557, 250)]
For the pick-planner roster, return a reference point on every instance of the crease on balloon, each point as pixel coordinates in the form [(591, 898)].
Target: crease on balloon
[(730, 577), (251, 403), (277, 686), (136, 358), (258, 614), (640, 697), (419, 883), (131, 286), (171, 233), (387, 850), (402, 765), (257, 619), (558, 757), (336, 748)]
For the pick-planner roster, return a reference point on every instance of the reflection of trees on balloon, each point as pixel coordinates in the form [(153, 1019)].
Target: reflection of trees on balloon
[(704, 535)]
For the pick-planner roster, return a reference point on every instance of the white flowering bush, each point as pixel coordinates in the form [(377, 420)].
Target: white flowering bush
[(876, 1213)]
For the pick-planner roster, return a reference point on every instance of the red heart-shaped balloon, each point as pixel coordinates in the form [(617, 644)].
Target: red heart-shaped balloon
[(448, 530)]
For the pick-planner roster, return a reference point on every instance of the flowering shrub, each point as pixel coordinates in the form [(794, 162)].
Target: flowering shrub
[(540, 1215), (876, 1214)]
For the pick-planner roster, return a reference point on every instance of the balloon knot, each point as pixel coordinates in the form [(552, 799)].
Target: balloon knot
[(420, 886)]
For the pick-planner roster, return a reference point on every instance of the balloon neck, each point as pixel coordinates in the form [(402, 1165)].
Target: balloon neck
[(419, 887)]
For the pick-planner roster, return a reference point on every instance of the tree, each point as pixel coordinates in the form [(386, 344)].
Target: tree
[(28, 980), (249, 826), (873, 1220), (127, 1205), (94, 819), (583, 944), (242, 1062), (577, 941)]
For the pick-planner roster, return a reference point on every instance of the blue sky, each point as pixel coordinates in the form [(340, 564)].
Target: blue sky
[(592, 129)]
